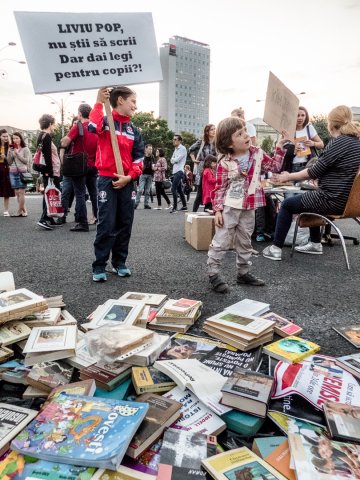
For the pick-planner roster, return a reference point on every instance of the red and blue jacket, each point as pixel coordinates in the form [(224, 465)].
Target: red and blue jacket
[(129, 138)]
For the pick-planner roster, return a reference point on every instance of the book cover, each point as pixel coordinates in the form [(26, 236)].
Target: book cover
[(107, 374), (297, 407), (12, 420), (196, 417), (248, 391), (264, 446), (161, 414), (225, 361), (316, 456), (19, 467), (199, 378), (239, 464), (351, 363), (151, 353), (276, 452), (49, 375), (183, 451), (243, 323), (291, 349), (84, 388), (16, 304), (14, 371), (116, 312), (191, 346), (153, 299), (283, 327), (287, 423), (301, 149), (351, 333), (48, 339), (13, 332), (150, 379), (120, 392), (83, 431), (343, 421), (183, 305), (248, 307)]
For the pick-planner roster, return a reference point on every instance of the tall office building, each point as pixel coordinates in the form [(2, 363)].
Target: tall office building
[(184, 91)]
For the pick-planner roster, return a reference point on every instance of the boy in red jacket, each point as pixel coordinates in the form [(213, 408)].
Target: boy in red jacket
[(115, 205)]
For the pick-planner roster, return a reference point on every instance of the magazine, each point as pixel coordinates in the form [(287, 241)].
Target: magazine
[(351, 333), (199, 378), (79, 430)]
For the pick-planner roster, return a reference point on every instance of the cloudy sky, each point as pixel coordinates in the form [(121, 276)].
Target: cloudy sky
[(312, 46)]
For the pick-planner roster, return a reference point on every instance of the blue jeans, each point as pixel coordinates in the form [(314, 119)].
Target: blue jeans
[(177, 188), (289, 207), (115, 219), (79, 185), (144, 184), (67, 193)]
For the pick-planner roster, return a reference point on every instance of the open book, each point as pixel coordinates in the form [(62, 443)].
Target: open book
[(199, 378)]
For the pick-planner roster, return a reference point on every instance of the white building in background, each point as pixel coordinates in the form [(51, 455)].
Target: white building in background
[(184, 91)]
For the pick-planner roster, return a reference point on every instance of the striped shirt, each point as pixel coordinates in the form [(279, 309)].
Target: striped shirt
[(335, 170)]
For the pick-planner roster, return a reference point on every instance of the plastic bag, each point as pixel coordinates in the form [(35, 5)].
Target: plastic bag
[(53, 200), (302, 236)]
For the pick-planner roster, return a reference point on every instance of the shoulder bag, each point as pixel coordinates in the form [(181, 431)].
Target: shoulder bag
[(39, 164), (75, 164), (25, 176)]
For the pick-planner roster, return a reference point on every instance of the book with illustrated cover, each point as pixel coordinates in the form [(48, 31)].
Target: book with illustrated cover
[(12, 420), (196, 417), (153, 299), (343, 421), (183, 306), (84, 388), (291, 349), (351, 333), (20, 467), (119, 312), (48, 339), (107, 375), (276, 452), (16, 304), (199, 378), (150, 379), (248, 391), (181, 454), (49, 317), (350, 363), (13, 332), (191, 346), (243, 324), (151, 353), (49, 375), (301, 149), (79, 430), (248, 307), (283, 327), (14, 371), (162, 413), (296, 406), (240, 463)]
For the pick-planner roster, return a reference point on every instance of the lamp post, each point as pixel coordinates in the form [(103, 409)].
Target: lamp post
[(61, 104), (9, 44), (3, 73)]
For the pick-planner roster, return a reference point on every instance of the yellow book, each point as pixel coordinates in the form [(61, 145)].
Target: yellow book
[(240, 463), (291, 349), (150, 379), (304, 150)]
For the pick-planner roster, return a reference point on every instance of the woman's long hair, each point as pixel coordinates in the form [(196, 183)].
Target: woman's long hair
[(206, 132)]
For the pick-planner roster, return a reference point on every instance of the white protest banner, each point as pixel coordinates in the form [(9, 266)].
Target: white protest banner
[(80, 51), (281, 106), (318, 381)]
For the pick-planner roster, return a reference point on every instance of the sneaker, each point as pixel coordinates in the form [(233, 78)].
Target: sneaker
[(122, 271), (56, 222), (218, 284), (169, 206), (249, 279), (310, 247), (173, 210), (272, 252), (147, 207), (6, 214), (260, 238), (45, 225), (158, 208), (183, 209), (79, 227), (99, 276)]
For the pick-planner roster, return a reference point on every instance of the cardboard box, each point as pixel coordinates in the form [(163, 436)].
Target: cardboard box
[(199, 230)]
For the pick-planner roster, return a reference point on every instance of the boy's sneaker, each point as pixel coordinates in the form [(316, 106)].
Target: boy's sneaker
[(249, 279), (310, 247), (260, 238), (272, 252), (168, 207), (183, 209), (122, 271), (99, 276), (45, 225), (218, 284)]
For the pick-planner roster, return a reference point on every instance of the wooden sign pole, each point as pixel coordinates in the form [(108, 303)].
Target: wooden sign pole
[(114, 142)]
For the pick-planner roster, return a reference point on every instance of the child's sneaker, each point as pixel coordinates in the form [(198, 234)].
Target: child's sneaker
[(260, 238), (99, 276), (310, 247), (272, 252), (249, 279), (122, 271), (218, 284)]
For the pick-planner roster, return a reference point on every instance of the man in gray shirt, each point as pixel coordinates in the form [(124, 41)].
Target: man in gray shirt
[(178, 160)]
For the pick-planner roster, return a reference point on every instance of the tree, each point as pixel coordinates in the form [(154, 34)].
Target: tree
[(188, 139), (320, 125), (268, 145), (154, 131)]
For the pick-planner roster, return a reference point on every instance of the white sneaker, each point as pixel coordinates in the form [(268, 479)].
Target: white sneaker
[(310, 247), (158, 208), (272, 252), (168, 207)]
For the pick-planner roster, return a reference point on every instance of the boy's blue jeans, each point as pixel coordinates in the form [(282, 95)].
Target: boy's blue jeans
[(115, 219)]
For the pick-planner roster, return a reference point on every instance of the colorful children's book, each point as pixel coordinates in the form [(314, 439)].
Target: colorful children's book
[(291, 349), (19, 467), (80, 430), (150, 379)]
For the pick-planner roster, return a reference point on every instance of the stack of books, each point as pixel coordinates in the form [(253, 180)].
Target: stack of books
[(241, 331), (177, 315), (107, 376)]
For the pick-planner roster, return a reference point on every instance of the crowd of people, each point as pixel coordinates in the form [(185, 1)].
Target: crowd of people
[(227, 170)]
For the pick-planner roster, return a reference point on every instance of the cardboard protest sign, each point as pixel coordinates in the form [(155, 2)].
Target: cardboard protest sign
[(281, 106), (80, 51)]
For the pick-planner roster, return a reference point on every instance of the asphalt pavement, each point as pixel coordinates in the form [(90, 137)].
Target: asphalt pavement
[(316, 291)]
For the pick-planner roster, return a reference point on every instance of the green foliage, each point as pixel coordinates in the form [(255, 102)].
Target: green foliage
[(320, 125), (188, 140), (268, 145), (154, 131)]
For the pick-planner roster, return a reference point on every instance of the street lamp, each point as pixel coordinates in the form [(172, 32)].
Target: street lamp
[(10, 44), (61, 104), (22, 62)]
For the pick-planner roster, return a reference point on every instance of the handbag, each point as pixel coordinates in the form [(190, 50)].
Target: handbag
[(26, 177), (75, 164), (39, 164), (166, 183)]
